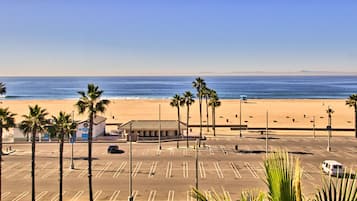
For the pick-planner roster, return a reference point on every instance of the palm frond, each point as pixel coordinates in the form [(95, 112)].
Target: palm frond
[(338, 189)]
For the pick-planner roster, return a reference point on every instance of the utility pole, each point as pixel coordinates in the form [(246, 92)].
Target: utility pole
[(72, 142), (313, 125), (266, 136), (130, 198), (240, 117), (329, 129), (196, 181), (159, 126)]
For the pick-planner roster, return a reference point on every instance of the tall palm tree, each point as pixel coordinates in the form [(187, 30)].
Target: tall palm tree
[(188, 100), (352, 102), (2, 89), (63, 125), (91, 103), (214, 102), (34, 123), (199, 84), (177, 101), (206, 94), (6, 121)]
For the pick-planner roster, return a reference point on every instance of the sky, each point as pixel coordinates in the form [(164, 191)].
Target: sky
[(173, 37)]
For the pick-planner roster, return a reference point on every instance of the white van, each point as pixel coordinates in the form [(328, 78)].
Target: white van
[(332, 167)]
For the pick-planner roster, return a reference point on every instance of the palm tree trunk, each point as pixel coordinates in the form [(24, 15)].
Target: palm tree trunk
[(207, 113), (33, 162), (0, 158), (187, 123), (214, 120), (178, 126), (356, 120), (200, 100), (90, 132), (61, 167)]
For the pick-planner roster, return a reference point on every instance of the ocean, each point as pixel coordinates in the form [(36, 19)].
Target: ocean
[(163, 87)]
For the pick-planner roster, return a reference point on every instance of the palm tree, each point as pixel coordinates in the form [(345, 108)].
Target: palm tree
[(63, 125), (90, 101), (34, 123), (352, 102), (2, 89), (188, 100), (206, 94), (6, 121), (199, 84), (177, 101), (214, 102)]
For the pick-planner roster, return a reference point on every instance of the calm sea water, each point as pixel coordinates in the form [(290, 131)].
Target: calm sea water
[(228, 87)]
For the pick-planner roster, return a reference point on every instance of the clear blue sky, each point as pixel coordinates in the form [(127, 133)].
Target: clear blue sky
[(176, 37)]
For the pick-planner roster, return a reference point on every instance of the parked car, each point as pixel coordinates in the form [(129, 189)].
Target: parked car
[(332, 167), (113, 149)]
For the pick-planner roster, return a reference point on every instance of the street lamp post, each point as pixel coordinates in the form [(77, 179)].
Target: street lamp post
[(313, 125), (329, 112), (196, 180), (72, 142), (240, 117), (130, 198), (159, 126), (266, 136)]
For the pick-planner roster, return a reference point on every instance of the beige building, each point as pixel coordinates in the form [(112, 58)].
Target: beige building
[(149, 129)]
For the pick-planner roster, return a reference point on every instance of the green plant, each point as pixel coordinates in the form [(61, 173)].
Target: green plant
[(283, 177), (338, 189)]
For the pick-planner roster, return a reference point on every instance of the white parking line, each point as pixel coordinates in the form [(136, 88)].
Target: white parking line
[(235, 170), (208, 195), (20, 196), (202, 170), (41, 195), (152, 195), (97, 195), (226, 194), (171, 196), (169, 169), (152, 169), (137, 168), (83, 173), (47, 174), (55, 198), (77, 195), (251, 170), (120, 169), (189, 196), (101, 172), (18, 171), (4, 195), (185, 169), (10, 167), (114, 196), (218, 170), (135, 193)]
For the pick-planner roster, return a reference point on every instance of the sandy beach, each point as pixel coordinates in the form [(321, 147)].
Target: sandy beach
[(282, 112)]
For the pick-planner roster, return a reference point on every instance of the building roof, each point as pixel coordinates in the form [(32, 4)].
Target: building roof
[(152, 125), (97, 120)]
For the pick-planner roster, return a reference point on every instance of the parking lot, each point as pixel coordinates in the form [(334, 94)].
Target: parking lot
[(166, 174)]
